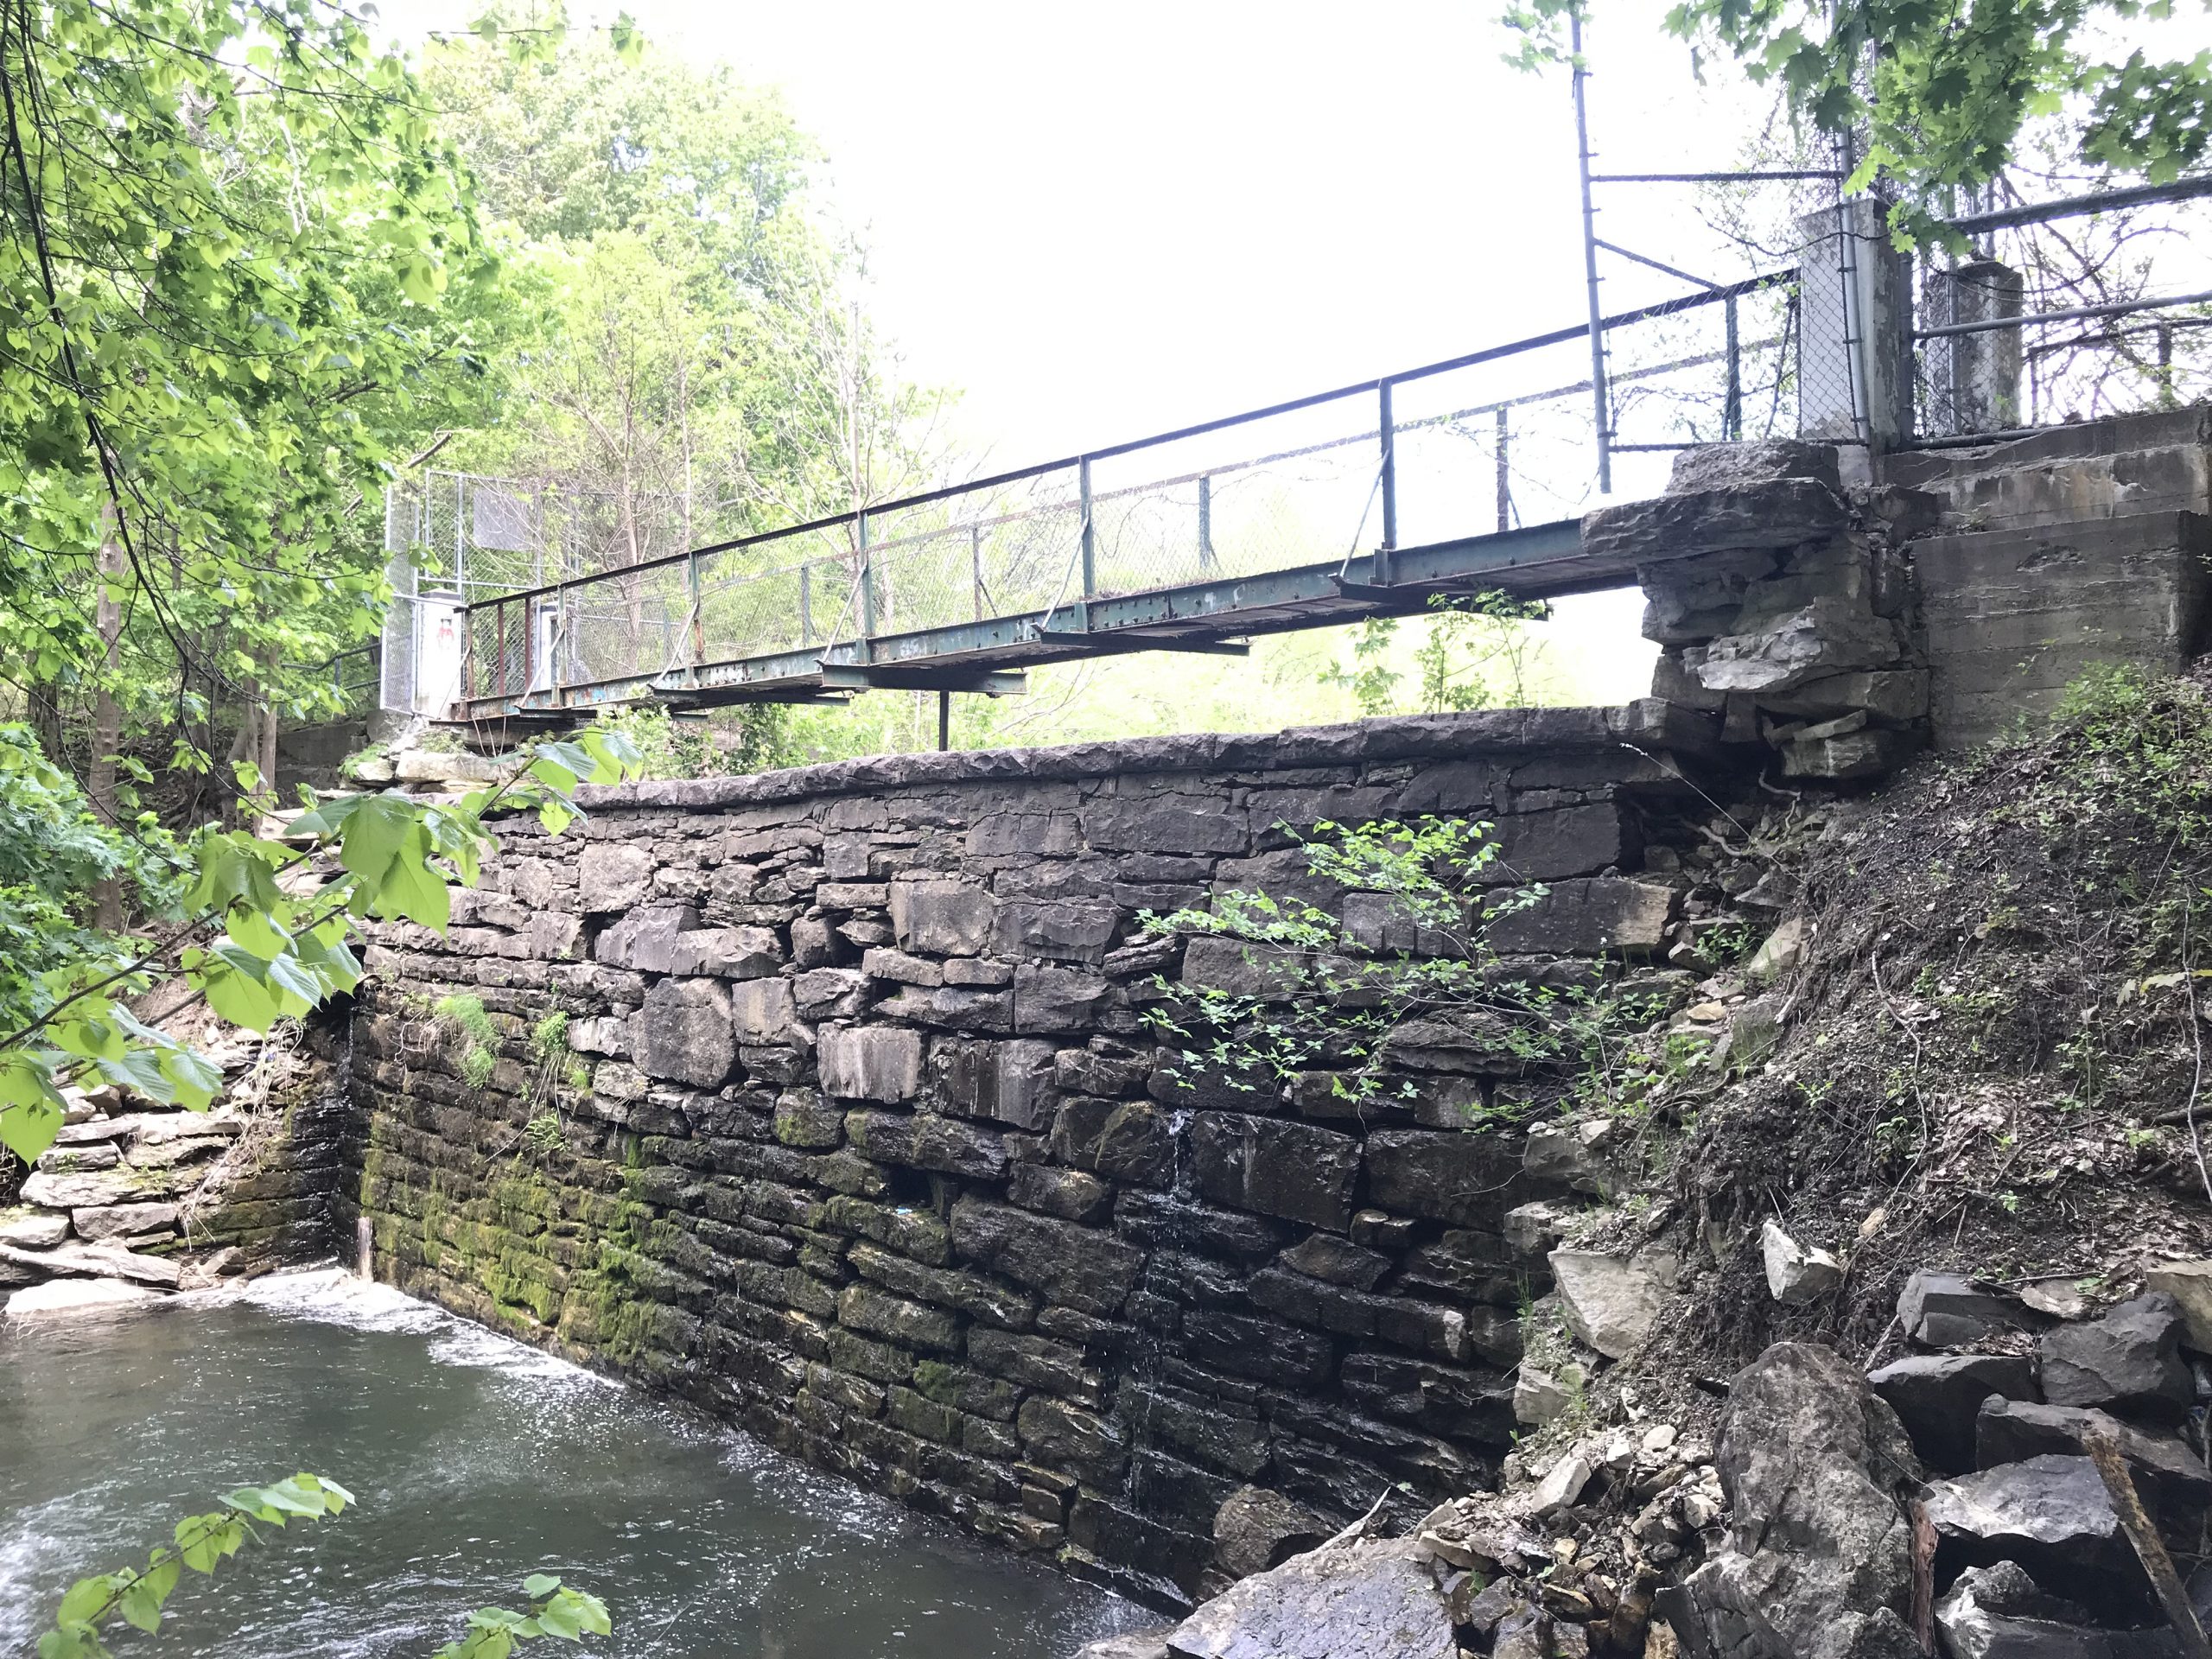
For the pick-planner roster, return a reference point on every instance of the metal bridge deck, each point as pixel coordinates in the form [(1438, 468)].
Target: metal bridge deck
[(1536, 562)]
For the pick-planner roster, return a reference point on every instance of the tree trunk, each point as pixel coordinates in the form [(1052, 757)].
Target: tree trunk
[(107, 714), (45, 700), (265, 756)]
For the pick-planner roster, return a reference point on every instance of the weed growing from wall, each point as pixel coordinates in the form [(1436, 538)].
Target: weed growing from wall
[(1315, 1001), (464, 1013)]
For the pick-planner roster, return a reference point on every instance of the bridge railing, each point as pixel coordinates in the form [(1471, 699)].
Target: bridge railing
[(1438, 452)]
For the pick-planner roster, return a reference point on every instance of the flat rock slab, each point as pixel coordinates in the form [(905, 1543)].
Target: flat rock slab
[(2172, 1476), (1947, 1310), (1377, 1600), (1136, 1645), (28, 1230), (58, 1297), (1610, 1301), (98, 1262), (2051, 1515)]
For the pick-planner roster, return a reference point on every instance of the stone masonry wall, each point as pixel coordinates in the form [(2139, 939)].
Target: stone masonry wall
[(859, 1138)]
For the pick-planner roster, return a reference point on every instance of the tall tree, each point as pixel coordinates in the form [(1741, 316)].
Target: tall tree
[(704, 368), (241, 267)]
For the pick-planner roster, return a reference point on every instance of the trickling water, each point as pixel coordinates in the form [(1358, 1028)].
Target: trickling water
[(477, 1461), (364, 1250)]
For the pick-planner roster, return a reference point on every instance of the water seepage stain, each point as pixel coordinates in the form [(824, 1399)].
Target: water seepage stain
[(477, 1461)]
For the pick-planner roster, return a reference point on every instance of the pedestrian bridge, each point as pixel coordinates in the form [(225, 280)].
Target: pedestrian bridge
[(1455, 477)]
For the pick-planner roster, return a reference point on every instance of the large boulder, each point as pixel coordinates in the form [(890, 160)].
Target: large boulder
[(2129, 1360), (1256, 1528), (1819, 1559), (1377, 1600)]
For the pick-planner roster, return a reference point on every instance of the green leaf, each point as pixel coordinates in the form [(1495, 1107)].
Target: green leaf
[(538, 1585), (141, 1604), (203, 1540), (411, 887), (87, 1598), (31, 1108), (239, 996), (375, 830)]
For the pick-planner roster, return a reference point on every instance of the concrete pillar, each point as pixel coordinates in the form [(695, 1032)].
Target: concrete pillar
[(1974, 380), (1854, 361)]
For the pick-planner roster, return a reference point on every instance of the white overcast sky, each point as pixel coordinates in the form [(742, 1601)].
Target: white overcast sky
[(1098, 222)]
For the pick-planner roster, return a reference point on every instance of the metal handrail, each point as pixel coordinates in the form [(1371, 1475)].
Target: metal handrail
[(1312, 400)]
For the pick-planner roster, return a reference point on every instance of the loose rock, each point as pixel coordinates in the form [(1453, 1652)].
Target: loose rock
[(1377, 1600), (1795, 1274), (2129, 1360)]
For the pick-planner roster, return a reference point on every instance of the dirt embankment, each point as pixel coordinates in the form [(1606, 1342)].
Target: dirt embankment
[(1992, 1049)]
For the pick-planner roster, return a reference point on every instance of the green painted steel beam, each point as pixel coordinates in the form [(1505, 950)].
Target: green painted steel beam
[(1537, 562)]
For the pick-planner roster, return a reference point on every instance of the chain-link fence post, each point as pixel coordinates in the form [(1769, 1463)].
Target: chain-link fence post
[(1855, 382)]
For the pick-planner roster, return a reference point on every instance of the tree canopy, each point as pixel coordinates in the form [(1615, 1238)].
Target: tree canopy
[(1942, 93)]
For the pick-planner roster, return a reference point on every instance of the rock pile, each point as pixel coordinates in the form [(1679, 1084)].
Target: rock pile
[(2016, 1488), (136, 1198), (1782, 601)]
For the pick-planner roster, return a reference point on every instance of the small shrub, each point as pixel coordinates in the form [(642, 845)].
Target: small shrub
[(480, 1057), (543, 1136), (549, 1038)]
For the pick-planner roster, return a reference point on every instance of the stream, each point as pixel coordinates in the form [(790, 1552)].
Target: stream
[(476, 1461)]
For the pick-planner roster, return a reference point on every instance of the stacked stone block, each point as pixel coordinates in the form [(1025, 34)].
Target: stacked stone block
[(880, 1158), (1784, 602)]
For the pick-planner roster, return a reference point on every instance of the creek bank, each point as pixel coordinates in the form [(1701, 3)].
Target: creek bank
[(136, 1198), (1943, 1500)]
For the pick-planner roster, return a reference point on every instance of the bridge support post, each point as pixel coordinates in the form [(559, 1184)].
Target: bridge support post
[(1388, 426), (1854, 331), (867, 589), (1973, 378), (1089, 543)]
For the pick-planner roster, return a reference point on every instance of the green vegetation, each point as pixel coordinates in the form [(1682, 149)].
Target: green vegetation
[(1944, 95), (463, 1013), (1473, 654), (137, 1596), (1316, 1002)]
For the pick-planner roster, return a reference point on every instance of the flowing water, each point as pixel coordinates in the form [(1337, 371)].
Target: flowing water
[(476, 1461)]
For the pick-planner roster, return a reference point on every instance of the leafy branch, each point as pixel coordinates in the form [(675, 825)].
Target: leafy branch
[(258, 949), (138, 1596)]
